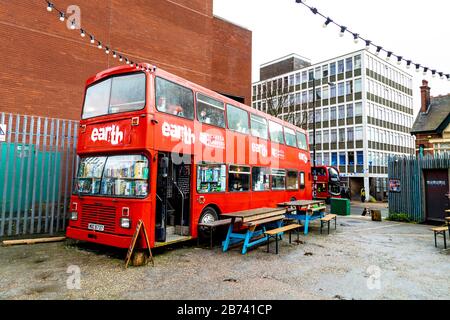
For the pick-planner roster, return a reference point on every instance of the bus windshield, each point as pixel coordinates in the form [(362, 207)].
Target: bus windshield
[(114, 176), (333, 174), (115, 95)]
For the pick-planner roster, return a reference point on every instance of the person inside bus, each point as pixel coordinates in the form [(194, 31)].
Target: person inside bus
[(204, 118), (171, 108)]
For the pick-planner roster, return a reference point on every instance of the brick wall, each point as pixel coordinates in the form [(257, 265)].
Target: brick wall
[(424, 138), (45, 65)]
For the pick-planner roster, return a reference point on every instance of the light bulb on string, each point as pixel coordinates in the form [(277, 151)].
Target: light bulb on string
[(425, 71), (417, 67), (378, 50), (72, 25), (120, 58), (61, 17), (368, 42), (389, 54), (326, 23), (99, 45), (82, 33), (49, 6), (341, 34), (114, 54), (92, 39), (356, 38), (399, 60), (107, 50), (408, 64)]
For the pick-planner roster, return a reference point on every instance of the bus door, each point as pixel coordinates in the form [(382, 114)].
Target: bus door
[(173, 197)]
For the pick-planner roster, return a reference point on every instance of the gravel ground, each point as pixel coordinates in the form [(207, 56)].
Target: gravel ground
[(361, 260)]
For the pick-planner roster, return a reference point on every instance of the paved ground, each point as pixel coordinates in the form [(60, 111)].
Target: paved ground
[(362, 260)]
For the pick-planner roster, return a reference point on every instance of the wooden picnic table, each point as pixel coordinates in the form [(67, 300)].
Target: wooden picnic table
[(251, 219), (306, 210)]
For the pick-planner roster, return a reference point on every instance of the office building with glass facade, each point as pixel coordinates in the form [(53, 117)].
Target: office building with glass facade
[(363, 113)]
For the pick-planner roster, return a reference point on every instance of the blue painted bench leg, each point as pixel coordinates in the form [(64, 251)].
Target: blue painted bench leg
[(226, 242), (306, 224), (246, 241)]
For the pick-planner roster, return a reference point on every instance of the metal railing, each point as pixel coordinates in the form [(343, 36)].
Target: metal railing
[(37, 161)]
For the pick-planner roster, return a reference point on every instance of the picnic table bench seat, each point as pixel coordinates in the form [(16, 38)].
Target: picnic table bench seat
[(275, 233), (212, 226), (441, 231), (262, 221), (327, 219)]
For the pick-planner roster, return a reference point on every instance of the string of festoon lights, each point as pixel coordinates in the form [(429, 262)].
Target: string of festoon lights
[(93, 40), (369, 45)]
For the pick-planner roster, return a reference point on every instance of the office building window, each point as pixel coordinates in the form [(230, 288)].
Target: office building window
[(349, 87), (325, 71), (341, 88), (350, 110), (358, 61), (358, 109), (333, 69), (341, 66), (326, 136), (326, 114), (304, 77), (349, 64), (311, 75), (342, 159), (333, 136), (334, 161), (360, 158), (333, 113), (350, 135), (342, 135), (317, 73), (325, 92), (326, 159), (333, 91), (341, 111), (358, 87), (358, 133), (351, 158)]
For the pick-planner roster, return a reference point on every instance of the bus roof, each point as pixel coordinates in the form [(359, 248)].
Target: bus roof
[(170, 76)]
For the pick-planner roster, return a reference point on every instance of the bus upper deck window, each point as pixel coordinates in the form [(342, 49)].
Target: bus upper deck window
[(210, 111), (174, 99)]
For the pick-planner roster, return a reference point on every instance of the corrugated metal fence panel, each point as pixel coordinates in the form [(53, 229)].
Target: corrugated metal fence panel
[(37, 161), (409, 170)]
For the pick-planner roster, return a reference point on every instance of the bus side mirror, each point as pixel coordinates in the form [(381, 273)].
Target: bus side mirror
[(164, 166)]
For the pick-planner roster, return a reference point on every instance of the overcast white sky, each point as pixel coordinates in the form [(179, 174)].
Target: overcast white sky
[(416, 29)]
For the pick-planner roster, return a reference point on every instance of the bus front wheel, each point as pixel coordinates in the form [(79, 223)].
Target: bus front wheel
[(208, 215)]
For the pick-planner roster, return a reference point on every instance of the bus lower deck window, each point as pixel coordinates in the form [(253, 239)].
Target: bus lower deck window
[(211, 178), (238, 178), (278, 179)]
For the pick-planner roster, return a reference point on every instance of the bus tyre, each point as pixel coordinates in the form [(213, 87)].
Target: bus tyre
[(139, 258), (208, 215)]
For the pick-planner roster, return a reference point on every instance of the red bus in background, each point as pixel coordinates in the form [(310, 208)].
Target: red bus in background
[(158, 148), (326, 182)]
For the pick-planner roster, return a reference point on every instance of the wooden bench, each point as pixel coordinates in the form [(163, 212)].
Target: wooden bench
[(212, 226), (274, 233), (327, 219), (442, 231)]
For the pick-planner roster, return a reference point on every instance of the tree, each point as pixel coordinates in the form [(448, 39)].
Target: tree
[(280, 103)]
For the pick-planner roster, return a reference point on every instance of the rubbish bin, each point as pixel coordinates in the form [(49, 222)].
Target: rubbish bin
[(340, 207)]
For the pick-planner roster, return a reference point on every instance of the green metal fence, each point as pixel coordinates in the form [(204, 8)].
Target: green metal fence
[(409, 171), (37, 159)]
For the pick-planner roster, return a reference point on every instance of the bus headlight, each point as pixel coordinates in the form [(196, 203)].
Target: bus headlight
[(74, 216), (125, 223)]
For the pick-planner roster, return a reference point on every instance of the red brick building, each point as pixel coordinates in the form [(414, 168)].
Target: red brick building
[(432, 125), (45, 64)]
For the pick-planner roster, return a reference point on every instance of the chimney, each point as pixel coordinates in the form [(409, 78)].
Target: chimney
[(425, 96)]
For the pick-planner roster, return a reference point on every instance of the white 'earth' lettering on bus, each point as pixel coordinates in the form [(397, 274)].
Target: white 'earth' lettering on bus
[(176, 132), (259, 148), (303, 157), (111, 134)]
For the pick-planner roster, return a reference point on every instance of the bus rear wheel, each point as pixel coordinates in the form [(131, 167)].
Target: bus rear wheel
[(208, 215)]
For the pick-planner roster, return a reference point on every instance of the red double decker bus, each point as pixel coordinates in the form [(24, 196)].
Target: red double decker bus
[(155, 147), (326, 182)]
